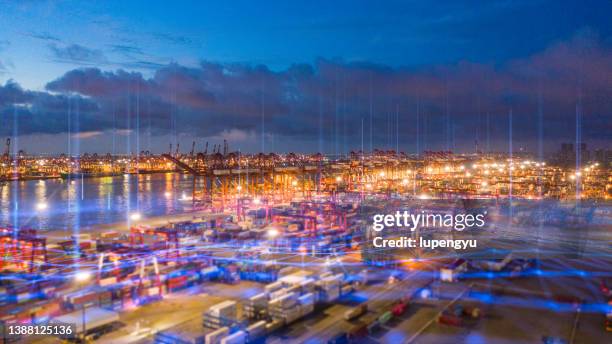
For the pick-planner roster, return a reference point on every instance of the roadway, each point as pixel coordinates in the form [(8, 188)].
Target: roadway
[(379, 297)]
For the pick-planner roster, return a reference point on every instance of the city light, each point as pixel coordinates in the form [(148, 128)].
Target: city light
[(167, 194), (41, 206), (256, 201), (272, 233), (82, 276), (135, 216)]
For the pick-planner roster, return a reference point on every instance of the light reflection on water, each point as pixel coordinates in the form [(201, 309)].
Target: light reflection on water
[(80, 203)]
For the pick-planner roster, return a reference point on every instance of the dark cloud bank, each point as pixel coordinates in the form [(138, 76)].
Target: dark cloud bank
[(325, 103)]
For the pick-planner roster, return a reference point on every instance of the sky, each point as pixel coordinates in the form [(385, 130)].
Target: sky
[(328, 76)]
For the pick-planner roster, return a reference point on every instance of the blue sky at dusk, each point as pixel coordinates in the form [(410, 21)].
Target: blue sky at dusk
[(308, 76)]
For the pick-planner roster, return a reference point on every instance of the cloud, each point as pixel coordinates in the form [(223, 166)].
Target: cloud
[(234, 135), (126, 49), (126, 56), (175, 39), (33, 112), (44, 36), (77, 54), (327, 100)]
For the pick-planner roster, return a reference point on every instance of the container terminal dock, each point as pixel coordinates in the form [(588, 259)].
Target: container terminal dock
[(278, 249)]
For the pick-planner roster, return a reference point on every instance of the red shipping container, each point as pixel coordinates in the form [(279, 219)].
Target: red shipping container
[(83, 299), (49, 309), (177, 282)]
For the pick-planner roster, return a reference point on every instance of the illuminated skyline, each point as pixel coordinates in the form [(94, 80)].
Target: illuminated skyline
[(127, 77)]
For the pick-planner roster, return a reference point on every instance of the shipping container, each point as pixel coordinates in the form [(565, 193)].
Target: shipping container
[(256, 330), (239, 337), (273, 326), (216, 336), (356, 312)]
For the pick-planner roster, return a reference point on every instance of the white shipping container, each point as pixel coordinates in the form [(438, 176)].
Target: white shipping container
[(307, 285), (332, 280), (277, 294), (273, 326), (286, 271), (331, 287), (286, 301), (295, 289), (215, 336), (259, 299), (225, 309), (189, 241), (306, 299), (307, 309), (292, 279), (256, 330), (223, 305), (272, 287), (325, 275), (292, 316), (154, 291), (209, 270), (239, 337)]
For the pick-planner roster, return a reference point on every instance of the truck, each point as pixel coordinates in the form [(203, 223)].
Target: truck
[(451, 272), (460, 316), (91, 323), (356, 312)]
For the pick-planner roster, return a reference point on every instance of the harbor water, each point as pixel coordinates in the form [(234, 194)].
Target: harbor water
[(59, 204)]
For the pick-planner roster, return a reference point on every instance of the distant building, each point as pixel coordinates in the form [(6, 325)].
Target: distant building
[(568, 156), (603, 156)]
